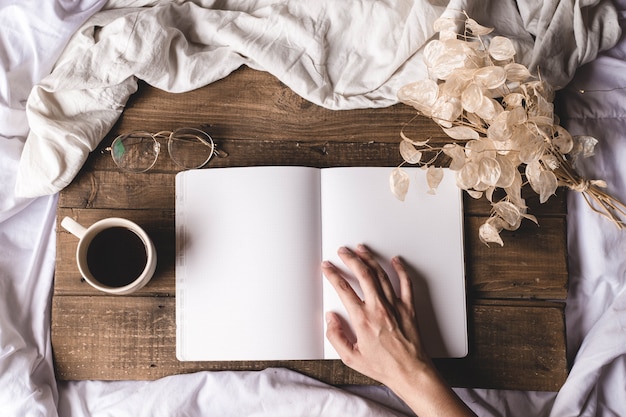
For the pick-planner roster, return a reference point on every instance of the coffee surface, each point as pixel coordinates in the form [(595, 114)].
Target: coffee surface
[(116, 256)]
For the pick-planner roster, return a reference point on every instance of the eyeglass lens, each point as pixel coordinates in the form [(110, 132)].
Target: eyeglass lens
[(190, 148), (135, 152)]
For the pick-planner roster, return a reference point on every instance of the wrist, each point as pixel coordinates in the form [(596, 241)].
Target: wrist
[(414, 378), (425, 391)]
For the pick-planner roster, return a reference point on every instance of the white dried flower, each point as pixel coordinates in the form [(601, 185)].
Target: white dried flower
[(499, 117), (501, 48), (399, 183)]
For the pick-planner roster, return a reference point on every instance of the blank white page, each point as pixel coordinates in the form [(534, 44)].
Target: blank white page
[(248, 264), (425, 230)]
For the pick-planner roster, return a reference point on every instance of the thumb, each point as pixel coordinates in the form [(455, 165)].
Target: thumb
[(337, 336)]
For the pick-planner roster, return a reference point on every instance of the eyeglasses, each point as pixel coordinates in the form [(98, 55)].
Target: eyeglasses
[(189, 148)]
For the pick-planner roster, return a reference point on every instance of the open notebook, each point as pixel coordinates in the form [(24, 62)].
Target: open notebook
[(250, 242)]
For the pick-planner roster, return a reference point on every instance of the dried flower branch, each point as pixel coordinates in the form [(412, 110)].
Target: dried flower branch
[(501, 121)]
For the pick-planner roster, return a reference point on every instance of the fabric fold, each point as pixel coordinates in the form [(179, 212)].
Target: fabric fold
[(339, 55), (32, 37)]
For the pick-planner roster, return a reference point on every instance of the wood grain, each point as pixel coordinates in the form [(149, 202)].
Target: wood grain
[(517, 335), (255, 105), (531, 265), (134, 338)]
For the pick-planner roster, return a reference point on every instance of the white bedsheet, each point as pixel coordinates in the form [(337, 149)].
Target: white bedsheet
[(32, 37), (341, 55)]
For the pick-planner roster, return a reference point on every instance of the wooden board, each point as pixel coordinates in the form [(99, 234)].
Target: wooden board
[(517, 330), (134, 338)]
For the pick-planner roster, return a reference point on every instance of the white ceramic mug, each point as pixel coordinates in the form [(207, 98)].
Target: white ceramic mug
[(114, 255)]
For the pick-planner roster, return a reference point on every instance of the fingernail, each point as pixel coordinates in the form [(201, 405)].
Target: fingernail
[(327, 264), (344, 250), (362, 248), (329, 317)]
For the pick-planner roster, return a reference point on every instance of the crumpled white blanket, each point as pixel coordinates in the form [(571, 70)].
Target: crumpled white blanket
[(339, 55), (33, 35), (271, 392)]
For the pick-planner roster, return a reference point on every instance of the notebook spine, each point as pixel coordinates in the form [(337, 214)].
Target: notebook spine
[(181, 233)]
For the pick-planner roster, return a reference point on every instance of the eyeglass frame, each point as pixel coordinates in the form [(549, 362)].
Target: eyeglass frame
[(168, 134)]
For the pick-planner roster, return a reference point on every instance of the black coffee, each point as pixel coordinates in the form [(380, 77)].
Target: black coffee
[(116, 256)]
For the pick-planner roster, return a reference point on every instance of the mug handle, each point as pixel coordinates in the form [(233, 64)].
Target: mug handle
[(73, 227)]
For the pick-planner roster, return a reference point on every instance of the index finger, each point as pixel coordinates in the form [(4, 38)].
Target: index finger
[(348, 297), (363, 272)]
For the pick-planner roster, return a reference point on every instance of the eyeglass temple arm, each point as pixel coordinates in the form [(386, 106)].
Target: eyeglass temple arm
[(216, 151)]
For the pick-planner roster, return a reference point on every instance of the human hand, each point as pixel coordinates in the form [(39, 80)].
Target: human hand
[(387, 347), (385, 325)]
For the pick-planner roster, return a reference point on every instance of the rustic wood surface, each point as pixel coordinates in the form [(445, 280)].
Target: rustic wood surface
[(515, 293)]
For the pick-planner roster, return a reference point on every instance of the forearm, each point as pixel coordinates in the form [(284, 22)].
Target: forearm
[(427, 394)]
